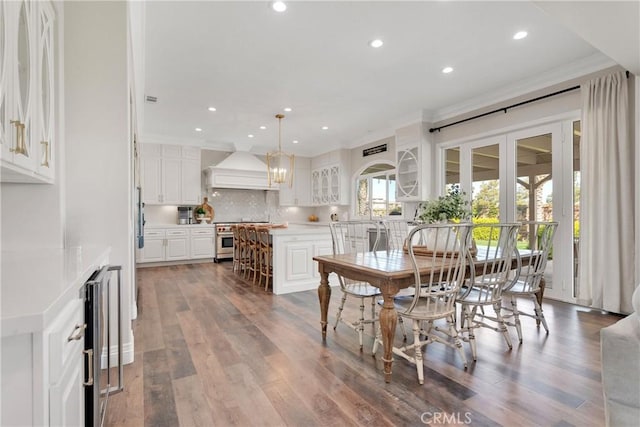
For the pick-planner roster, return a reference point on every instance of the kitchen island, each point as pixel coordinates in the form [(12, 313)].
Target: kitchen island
[(294, 247)]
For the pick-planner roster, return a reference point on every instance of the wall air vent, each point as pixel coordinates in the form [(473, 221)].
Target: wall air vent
[(152, 99)]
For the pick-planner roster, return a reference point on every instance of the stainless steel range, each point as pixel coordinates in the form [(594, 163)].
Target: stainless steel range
[(224, 241)]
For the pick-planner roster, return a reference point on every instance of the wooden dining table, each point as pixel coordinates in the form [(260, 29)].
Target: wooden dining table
[(388, 271)]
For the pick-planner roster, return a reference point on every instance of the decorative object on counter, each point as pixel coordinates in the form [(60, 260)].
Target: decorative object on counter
[(334, 217), (204, 213), (451, 207), (279, 163), (313, 218)]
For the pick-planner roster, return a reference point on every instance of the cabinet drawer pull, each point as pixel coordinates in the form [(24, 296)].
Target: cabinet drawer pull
[(20, 147), (45, 163), (89, 353), (79, 335)]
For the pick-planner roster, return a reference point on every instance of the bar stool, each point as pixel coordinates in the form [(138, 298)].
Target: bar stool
[(265, 256), (252, 253), (242, 250), (236, 248)]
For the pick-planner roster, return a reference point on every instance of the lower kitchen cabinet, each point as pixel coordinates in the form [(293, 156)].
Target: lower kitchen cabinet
[(202, 243), (177, 244)]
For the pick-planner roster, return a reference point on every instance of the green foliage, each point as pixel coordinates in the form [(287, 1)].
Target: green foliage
[(486, 203), (483, 234), (576, 228), (201, 211), (452, 206)]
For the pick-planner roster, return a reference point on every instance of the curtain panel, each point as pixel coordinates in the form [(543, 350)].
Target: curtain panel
[(607, 251)]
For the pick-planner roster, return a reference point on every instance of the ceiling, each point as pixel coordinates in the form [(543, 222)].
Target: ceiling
[(250, 62)]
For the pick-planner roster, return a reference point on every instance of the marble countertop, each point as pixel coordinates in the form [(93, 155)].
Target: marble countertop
[(37, 284), (306, 228)]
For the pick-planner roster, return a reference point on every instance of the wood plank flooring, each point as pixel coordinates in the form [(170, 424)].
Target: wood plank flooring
[(210, 350)]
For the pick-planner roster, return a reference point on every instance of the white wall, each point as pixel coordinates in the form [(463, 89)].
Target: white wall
[(99, 181)]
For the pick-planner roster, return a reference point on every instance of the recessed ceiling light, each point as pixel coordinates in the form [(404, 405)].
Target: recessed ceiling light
[(279, 6), (325, 127), (295, 141), (376, 43), (287, 109), (263, 127), (447, 70), (198, 129), (211, 108), (250, 135), (520, 35)]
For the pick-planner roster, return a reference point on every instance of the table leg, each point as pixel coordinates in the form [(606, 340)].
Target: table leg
[(539, 296), (388, 321), (324, 295)]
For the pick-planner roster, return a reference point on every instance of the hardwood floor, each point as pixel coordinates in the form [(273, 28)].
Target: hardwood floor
[(210, 350)]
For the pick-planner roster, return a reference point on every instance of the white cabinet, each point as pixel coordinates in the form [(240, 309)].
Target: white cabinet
[(43, 374), (153, 250), (177, 244), (202, 243), (27, 91), (413, 163), (330, 181), (170, 174), (300, 194), (66, 391)]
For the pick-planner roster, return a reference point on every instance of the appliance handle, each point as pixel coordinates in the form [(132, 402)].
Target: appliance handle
[(89, 353)]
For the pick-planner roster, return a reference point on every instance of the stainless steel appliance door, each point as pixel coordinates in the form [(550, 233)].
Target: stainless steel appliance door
[(224, 245)]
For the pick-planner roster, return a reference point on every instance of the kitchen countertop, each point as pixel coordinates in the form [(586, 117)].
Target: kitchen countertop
[(178, 225), (37, 284), (306, 228)]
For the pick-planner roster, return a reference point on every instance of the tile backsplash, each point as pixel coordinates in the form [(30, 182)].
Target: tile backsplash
[(248, 205)]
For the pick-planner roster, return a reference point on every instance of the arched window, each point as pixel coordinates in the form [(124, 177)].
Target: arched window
[(375, 195)]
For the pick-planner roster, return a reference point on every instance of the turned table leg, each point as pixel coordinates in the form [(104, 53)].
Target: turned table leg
[(388, 321), (324, 295)]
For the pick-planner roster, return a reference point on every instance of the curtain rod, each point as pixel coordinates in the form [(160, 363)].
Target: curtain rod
[(508, 107)]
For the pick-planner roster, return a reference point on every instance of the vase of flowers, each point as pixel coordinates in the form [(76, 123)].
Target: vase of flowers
[(452, 207)]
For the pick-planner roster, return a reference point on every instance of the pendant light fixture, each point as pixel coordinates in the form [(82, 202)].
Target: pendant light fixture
[(279, 163)]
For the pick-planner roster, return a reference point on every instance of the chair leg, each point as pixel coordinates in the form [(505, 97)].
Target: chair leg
[(361, 323), (516, 316), (344, 299), (468, 317), (402, 328), (418, 351), (451, 320), (502, 325), (377, 339), (540, 314)]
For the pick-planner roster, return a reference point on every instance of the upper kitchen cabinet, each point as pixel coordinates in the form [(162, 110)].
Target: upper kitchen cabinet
[(27, 91), (330, 178), (170, 174), (413, 163), (300, 193)]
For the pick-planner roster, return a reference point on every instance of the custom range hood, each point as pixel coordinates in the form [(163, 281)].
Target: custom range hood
[(240, 170)]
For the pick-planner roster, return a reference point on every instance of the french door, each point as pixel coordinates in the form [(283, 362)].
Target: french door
[(530, 174)]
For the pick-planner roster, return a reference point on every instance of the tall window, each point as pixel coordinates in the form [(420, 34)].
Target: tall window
[(376, 192)]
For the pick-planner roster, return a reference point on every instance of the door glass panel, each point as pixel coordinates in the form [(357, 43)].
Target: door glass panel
[(3, 82), (534, 184), (534, 189), (577, 133), (485, 202), (363, 197), (452, 168), (379, 195), (395, 207), (23, 58), (45, 91)]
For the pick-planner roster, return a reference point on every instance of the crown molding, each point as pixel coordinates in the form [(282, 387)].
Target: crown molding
[(193, 142), (574, 70)]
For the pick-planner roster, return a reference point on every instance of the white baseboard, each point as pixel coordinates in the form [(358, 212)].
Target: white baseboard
[(127, 353)]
